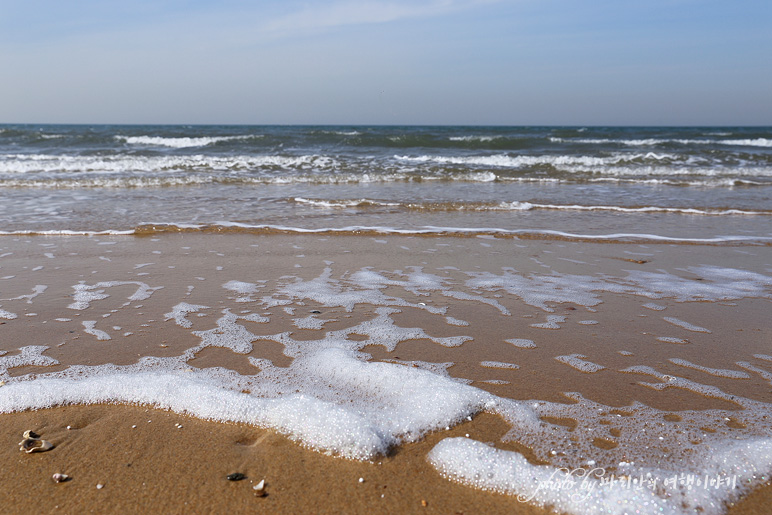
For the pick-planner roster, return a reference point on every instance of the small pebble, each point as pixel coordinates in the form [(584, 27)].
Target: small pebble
[(236, 476), (361, 480), (100, 486)]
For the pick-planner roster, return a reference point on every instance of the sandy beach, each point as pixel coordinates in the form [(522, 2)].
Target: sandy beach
[(160, 467), (519, 320)]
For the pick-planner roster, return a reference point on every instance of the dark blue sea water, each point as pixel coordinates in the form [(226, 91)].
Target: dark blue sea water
[(707, 184)]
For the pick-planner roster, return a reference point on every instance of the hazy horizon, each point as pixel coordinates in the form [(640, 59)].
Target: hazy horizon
[(449, 125), (434, 62)]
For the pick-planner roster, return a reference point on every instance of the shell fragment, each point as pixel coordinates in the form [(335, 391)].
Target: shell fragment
[(33, 443), (260, 488)]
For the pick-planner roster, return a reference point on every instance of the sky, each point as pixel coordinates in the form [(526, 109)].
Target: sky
[(459, 62)]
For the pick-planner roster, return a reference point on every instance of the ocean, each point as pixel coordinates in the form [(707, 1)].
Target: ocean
[(617, 183), (603, 293)]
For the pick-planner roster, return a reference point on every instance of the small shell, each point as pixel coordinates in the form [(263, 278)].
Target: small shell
[(29, 433), (60, 478), (29, 445), (260, 488)]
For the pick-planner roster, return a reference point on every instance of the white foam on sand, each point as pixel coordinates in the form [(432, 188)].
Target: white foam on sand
[(498, 364), (670, 381), (31, 355), (228, 334), (672, 339), (90, 328), (543, 291), (8, 315), (718, 372), (330, 400), (593, 490), (244, 291), (764, 374), (86, 294), (309, 322), (363, 287), (580, 363), (180, 311), (333, 400), (37, 290), (521, 343), (686, 325), (456, 321), (553, 322)]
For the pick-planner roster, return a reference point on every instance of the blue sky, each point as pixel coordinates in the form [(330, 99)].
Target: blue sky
[(511, 62)]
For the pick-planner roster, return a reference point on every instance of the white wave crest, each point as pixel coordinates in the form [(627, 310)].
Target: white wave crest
[(508, 161), (158, 141), (474, 138), (40, 163), (757, 142)]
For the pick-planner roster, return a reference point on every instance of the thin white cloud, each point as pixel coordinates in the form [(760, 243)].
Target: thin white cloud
[(350, 12)]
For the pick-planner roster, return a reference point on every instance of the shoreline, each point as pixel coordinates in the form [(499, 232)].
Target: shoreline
[(357, 231)]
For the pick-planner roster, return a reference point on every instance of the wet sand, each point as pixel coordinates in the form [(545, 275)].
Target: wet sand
[(159, 466)]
